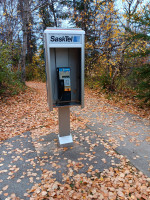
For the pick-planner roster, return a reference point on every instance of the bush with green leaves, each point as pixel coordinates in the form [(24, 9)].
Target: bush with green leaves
[(141, 74), (9, 80), (36, 69), (142, 77)]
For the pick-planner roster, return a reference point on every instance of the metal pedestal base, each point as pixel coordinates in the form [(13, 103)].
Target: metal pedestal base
[(65, 138), (65, 141)]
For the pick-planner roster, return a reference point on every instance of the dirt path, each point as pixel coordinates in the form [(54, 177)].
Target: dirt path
[(91, 169)]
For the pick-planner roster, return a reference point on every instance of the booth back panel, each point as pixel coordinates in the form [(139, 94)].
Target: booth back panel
[(66, 57)]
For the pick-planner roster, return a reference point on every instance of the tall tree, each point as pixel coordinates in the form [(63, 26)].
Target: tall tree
[(31, 38), (24, 9), (46, 15), (119, 67), (9, 25), (142, 37)]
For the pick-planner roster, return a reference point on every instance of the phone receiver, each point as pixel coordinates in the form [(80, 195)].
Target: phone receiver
[(61, 88)]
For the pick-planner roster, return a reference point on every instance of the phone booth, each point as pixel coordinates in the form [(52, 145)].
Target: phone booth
[(64, 54)]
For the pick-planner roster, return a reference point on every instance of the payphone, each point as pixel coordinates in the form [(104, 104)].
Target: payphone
[(64, 56), (64, 84)]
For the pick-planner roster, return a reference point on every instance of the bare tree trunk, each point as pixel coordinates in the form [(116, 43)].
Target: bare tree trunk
[(23, 57), (120, 63), (75, 12), (54, 13), (25, 10)]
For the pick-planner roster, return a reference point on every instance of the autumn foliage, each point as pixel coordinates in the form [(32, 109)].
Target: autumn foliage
[(116, 42)]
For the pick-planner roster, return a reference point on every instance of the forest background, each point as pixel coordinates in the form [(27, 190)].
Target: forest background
[(117, 43)]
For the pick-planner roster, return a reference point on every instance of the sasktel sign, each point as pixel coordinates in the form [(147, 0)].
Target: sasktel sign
[(65, 39)]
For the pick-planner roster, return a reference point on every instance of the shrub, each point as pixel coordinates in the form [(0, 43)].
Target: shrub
[(9, 80), (36, 70)]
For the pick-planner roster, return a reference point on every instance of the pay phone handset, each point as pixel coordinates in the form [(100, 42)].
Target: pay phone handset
[(64, 84)]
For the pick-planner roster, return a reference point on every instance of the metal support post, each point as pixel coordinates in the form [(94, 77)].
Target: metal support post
[(65, 138)]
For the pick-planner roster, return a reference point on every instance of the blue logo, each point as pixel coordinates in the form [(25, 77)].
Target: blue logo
[(76, 39)]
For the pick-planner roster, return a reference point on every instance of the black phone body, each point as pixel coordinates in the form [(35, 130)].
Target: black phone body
[(64, 84)]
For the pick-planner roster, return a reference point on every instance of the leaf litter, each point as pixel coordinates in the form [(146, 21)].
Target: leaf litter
[(29, 111)]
